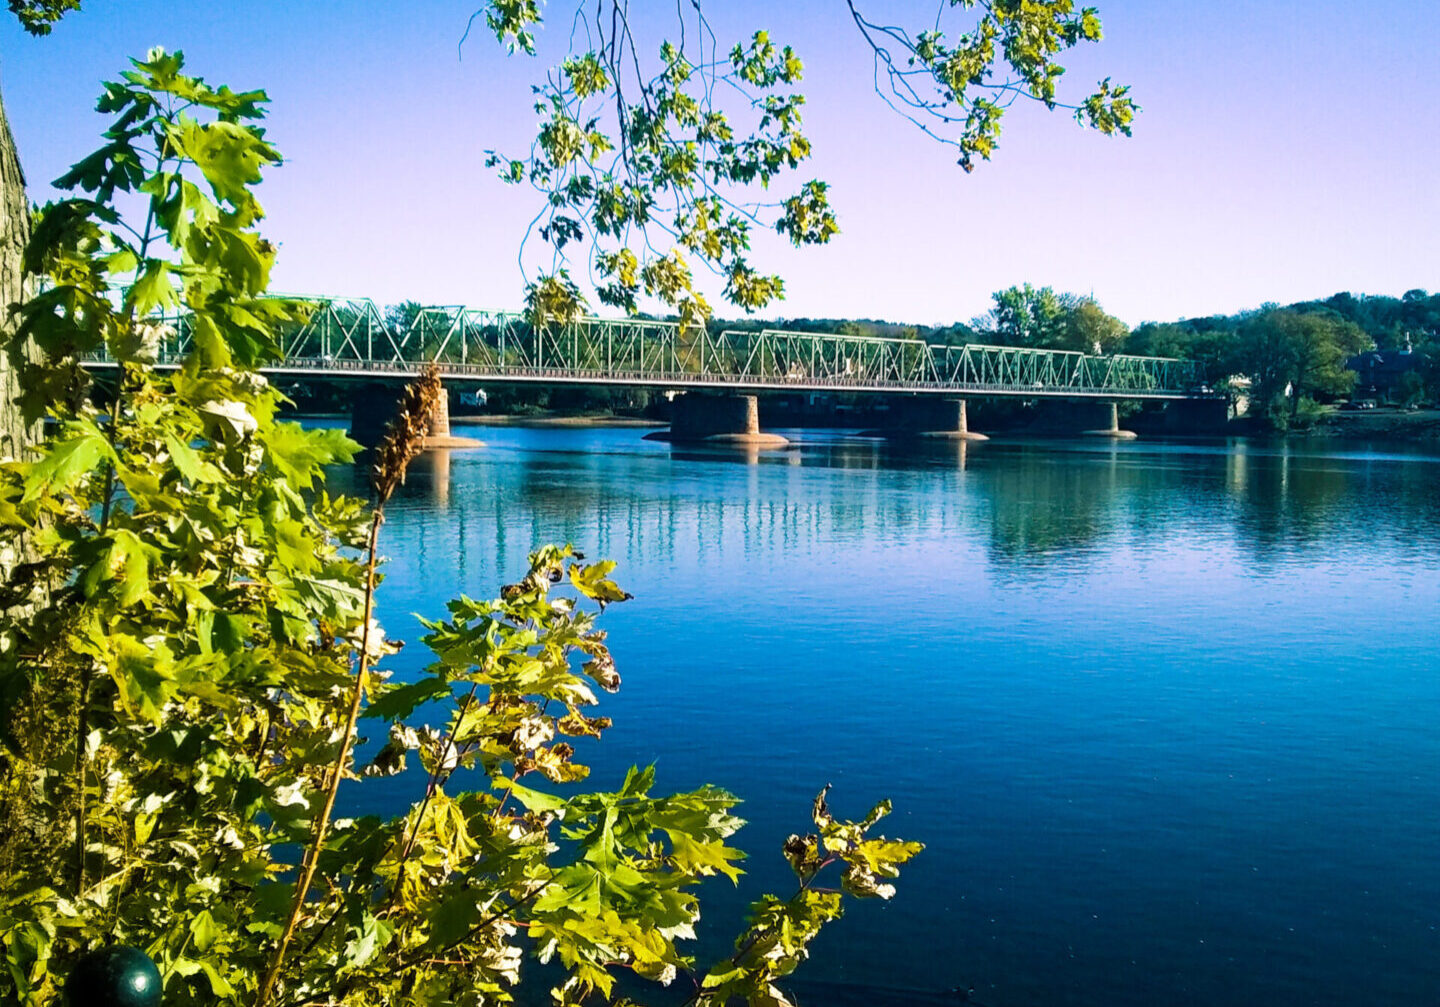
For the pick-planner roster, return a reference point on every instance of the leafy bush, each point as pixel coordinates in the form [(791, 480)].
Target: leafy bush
[(185, 667)]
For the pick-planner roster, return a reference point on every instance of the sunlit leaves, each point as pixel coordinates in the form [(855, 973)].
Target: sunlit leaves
[(190, 584), (764, 64), (587, 75), (750, 290), (622, 269), (642, 155), (300, 455), (1110, 109), (39, 16), (230, 156), (510, 20), (780, 931), (808, 219), (620, 160), (1021, 38), (199, 623), (74, 456), (554, 298)]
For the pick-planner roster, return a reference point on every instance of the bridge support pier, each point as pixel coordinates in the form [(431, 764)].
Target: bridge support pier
[(374, 407), (1066, 418), (942, 419), (440, 420), (1110, 414), (928, 417), (699, 418)]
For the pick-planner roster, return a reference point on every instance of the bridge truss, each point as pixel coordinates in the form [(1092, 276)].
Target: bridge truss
[(350, 339)]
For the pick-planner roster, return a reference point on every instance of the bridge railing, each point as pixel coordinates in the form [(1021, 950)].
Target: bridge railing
[(351, 336)]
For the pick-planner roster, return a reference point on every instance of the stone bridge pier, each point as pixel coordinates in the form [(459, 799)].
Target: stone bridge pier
[(375, 405), (932, 417), (1109, 413), (1088, 418), (703, 418)]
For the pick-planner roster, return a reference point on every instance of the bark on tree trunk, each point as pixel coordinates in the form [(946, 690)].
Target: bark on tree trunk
[(15, 435), (14, 232)]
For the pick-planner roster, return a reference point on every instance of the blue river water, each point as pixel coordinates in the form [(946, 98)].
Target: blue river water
[(1166, 716)]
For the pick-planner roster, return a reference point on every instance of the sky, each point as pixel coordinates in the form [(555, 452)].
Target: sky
[(1287, 150)]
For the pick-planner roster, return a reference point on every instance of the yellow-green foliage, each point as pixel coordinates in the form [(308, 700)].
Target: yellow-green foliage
[(639, 157), (179, 699)]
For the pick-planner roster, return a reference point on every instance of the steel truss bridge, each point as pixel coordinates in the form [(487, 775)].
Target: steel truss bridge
[(349, 339)]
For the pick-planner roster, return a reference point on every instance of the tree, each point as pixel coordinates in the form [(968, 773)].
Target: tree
[(1302, 353), (1089, 329), (645, 163), (16, 434), (178, 713), (1025, 316), (36, 17), (1215, 347)]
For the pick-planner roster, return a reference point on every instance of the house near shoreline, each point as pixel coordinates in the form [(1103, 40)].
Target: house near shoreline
[(1380, 371)]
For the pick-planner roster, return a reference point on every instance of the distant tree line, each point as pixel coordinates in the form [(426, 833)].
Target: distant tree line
[(1290, 359)]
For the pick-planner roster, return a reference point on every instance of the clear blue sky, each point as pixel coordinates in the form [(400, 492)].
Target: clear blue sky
[(1287, 150)]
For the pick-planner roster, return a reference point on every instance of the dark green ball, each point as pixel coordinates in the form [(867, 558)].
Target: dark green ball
[(114, 977)]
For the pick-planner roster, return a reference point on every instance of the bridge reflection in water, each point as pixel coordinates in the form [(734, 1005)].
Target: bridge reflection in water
[(1035, 505)]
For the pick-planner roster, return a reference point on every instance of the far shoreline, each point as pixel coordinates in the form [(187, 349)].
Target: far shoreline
[(1384, 425)]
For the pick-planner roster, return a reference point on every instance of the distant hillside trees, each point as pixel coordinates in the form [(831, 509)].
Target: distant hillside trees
[(1039, 317), (1291, 355)]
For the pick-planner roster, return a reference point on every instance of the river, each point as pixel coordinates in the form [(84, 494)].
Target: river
[(1165, 715)]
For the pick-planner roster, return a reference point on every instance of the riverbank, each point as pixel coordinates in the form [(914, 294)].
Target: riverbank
[(1420, 426), (1379, 425)]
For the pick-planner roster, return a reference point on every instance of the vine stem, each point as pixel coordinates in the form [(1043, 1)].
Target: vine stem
[(337, 771)]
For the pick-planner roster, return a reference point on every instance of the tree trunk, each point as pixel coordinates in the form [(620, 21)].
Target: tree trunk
[(14, 232), (15, 435)]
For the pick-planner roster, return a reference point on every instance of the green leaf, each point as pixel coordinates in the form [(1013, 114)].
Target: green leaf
[(704, 858), (153, 289), (533, 800), (398, 702), (300, 455), (145, 675), (367, 940), (454, 918), (67, 461), (203, 930), (189, 462), (218, 984), (229, 154)]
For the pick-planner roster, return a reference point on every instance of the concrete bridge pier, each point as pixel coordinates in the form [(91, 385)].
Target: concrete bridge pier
[(944, 419), (929, 417), (1110, 416), (1068, 417), (374, 406), (701, 418), (440, 419)]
